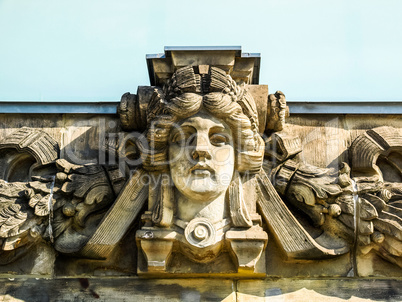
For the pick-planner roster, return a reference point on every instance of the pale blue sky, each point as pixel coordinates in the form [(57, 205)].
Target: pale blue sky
[(95, 50)]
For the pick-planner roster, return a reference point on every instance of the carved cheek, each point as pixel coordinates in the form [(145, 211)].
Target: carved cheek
[(223, 162), (179, 165), (223, 155), (178, 154), (179, 175)]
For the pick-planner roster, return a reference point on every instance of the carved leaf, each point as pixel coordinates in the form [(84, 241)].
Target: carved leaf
[(8, 212), (376, 201), (11, 190), (42, 207), (293, 238), (389, 226), (366, 227), (396, 210), (347, 220), (10, 243), (393, 217), (68, 187), (44, 187), (97, 198), (346, 203), (393, 246), (397, 204), (322, 186), (60, 223), (34, 200), (97, 195), (367, 210), (11, 219), (121, 214), (80, 185), (302, 193)]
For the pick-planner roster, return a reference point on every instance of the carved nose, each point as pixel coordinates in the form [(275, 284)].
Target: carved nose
[(201, 154), (201, 150)]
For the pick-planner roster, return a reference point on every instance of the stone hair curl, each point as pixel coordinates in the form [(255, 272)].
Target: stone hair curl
[(183, 96)]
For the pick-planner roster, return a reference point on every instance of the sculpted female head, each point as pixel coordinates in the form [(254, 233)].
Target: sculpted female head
[(201, 156), (202, 128)]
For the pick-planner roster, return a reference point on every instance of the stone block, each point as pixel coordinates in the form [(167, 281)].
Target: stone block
[(118, 289), (315, 290)]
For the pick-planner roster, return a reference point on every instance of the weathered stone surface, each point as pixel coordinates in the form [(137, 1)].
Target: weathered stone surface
[(118, 289), (326, 138), (205, 180), (39, 262), (121, 263), (125, 289), (278, 266), (366, 267), (202, 134), (260, 96), (319, 290), (372, 265), (82, 138)]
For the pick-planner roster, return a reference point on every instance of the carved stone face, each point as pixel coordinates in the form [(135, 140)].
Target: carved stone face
[(201, 156)]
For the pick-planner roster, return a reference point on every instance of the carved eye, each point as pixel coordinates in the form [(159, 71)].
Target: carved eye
[(178, 138), (218, 139), (182, 137)]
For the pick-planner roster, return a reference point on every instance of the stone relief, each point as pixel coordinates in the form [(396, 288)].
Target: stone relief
[(208, 180)]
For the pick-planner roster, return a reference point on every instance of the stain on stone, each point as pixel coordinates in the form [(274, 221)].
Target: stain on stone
[(94, 294), (84, 282), (85, 285)]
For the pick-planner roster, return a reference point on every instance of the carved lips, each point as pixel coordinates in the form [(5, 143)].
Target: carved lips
[(202, 169)]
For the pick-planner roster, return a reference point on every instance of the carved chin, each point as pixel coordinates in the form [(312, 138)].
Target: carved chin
[(200, 188)]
